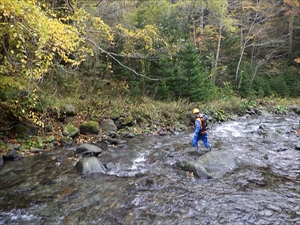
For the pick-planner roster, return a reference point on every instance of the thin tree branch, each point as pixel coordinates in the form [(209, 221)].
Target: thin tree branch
[(111, 55)]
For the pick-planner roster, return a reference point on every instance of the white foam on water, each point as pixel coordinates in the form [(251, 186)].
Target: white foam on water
[(138, 166), (231, 128), (137, 162), (19, 217)]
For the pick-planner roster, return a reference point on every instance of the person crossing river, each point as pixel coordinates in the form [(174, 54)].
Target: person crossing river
[(200, 132)]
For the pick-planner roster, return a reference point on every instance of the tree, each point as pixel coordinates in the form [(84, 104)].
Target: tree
[(31, 41), (35, 41), (265, 34)]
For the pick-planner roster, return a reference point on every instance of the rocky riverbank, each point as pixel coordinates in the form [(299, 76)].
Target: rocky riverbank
[(250, 177), (67, 128)]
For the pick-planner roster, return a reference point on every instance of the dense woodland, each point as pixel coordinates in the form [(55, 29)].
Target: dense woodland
[(166, 50)]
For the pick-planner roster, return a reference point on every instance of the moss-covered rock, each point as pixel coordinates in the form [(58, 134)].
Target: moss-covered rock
[(90, 127), (69, 110), (128, 121), (70, 130), (66, 141), (23, 131)]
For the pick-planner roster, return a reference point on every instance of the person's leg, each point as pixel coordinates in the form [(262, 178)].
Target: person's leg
[(195, 143), (197, 148), (205, 142)]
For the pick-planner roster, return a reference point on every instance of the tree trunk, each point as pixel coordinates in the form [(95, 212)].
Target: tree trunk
[(291, 26), (215, 68)]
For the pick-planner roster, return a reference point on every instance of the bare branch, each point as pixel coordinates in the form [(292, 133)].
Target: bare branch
[(114, 58)]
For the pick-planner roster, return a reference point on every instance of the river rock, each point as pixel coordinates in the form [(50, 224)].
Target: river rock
[(36, 150), (270, 142), (294, 108), (66, 141), (129, 135), (89, 165), (194, 167), (12, 155), (158, 154), (103, 144), (85, 149), (109, 126), (218, 161)]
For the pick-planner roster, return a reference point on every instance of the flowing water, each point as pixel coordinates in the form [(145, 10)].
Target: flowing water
[(143, 187)]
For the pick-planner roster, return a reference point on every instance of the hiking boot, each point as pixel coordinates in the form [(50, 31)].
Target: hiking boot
[(209, 149)]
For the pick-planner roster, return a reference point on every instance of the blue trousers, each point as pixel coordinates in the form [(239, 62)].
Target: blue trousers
[(204, 139)]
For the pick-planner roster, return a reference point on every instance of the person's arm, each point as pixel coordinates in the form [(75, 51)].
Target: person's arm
[(196, 133)]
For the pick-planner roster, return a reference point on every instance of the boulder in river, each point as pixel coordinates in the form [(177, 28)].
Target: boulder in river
[(218, 161), (90, 165), (88, 149), (196, 168)]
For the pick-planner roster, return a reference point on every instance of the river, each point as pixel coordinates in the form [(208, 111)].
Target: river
[(144, 188)]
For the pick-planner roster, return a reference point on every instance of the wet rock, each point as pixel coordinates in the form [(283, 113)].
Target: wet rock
[(262, 129), (12, 155), (158, 155), (46, 181), (87, 149), (1, 160), (112, 134), (36, 150), (112, 141), (281, 149), (90, 165), (129, 135), (103, 145), (297, 146), (266, 141), (170, 149), (147, 184), (218, 161), (258, 181), (196, 168), (163, 133), (109, 165)]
